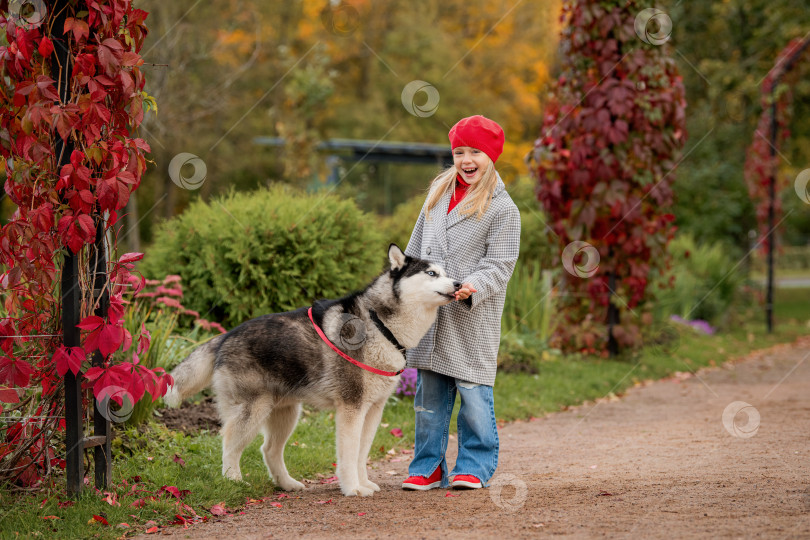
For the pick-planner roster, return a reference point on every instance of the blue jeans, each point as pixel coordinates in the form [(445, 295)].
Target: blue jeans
[(477, 430)]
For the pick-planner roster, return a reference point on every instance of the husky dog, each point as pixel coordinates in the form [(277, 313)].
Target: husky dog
[(263, 369)]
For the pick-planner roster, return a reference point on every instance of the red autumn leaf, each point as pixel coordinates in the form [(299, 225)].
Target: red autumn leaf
[(179, 460), (151, 530), (9, 395), (78, 27), (24, 88), (111, 498), (66, 504), (112, 194), (42, 217), (98, 519), (361, 513), (130, 257), (324, 502), (110, 339), (172, 490), (396, 432), (330, 480), (448, 494), (46, 87), (278, 504), (68, 359), (180, 520), (50, 517), (91, 322), (65, 118), (219, 509), (17, 371), (109, 55), (45, 47)]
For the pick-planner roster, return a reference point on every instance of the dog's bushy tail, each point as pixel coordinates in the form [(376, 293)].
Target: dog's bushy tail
[(194, 373)]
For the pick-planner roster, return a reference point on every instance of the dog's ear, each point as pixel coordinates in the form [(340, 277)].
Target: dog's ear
[(396, 257)]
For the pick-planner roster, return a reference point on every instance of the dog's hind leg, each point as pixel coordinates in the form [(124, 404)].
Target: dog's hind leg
[(240, 426), (278, 427), (349, 422), (370, 424)]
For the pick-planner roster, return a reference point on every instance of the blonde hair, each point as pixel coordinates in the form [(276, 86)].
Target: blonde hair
[(478, 196)]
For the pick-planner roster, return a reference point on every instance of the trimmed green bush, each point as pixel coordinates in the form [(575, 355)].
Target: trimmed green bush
[(276, 249), (707, 282)]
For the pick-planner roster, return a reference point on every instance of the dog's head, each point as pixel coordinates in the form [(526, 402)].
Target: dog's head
[(420, 282)]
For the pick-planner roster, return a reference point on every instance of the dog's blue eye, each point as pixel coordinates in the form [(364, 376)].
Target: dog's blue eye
[(430, 273)]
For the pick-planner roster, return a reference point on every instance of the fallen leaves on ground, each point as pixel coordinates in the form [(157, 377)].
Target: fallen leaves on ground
[(97, 519), (218, 509)]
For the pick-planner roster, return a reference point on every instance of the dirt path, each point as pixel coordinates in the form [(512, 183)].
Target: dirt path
[(658, 463)]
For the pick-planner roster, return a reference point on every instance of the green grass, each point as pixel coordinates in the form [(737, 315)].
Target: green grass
[(562, 381)]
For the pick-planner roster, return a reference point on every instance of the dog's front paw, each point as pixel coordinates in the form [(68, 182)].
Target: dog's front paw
[(357, 491), (231, 474), (290, 484), (371, 485)]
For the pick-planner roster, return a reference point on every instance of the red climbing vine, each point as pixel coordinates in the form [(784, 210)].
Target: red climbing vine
[(57, 209), (605, 160), (762, 158)]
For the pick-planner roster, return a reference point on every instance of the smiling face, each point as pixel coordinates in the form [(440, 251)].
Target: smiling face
[(470, 163)]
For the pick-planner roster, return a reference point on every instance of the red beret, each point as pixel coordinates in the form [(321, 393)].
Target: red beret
[(478, 132)]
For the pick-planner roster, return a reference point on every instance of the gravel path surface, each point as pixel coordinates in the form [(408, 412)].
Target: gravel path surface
[(657, 463)]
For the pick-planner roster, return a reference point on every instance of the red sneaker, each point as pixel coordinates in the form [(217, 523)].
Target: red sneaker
[(466, 481), (420, 483)]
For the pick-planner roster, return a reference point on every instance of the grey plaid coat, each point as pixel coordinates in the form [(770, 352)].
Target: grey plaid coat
[(463, 343)]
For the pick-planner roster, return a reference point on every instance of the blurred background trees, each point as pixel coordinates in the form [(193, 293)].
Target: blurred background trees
[(226, 71)]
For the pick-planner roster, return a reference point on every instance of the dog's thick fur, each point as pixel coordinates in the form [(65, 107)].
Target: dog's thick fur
[(264, 369)]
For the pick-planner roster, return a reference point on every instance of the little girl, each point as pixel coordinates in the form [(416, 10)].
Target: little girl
[(470, 225)]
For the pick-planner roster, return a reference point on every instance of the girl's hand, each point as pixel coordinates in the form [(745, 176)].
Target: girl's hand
[(465, 291)]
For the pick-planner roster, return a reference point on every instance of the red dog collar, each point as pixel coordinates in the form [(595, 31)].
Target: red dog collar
[(346, 356)]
